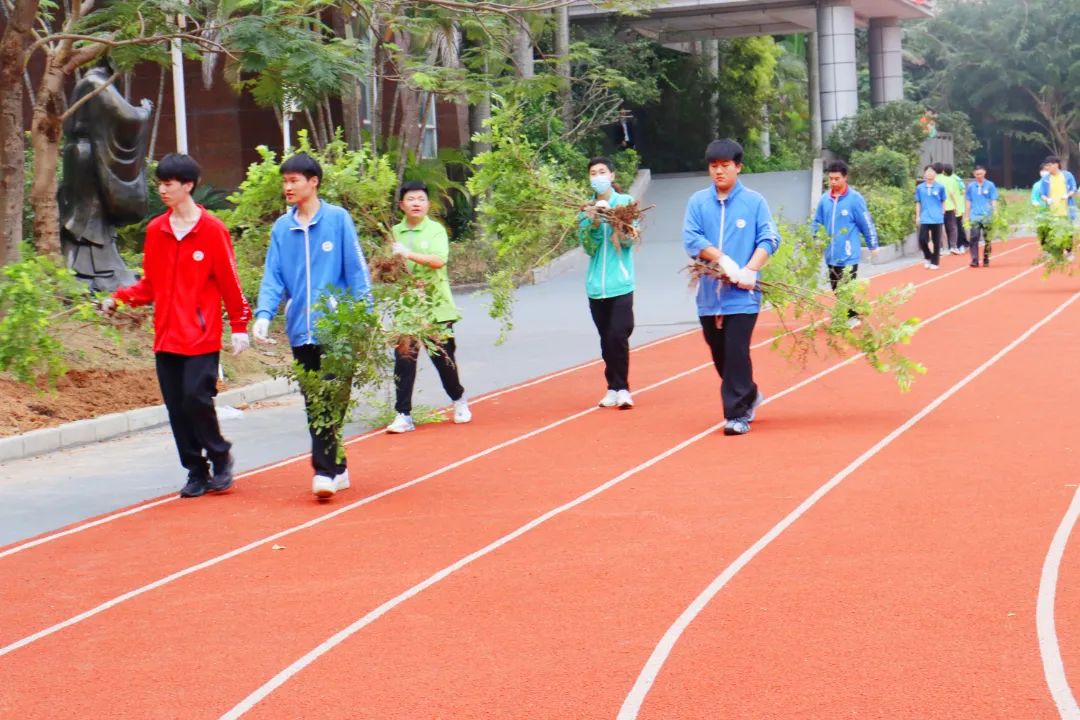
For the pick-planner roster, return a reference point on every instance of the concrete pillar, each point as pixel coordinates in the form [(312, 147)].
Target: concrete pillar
[(836, 54), (886, 61), (813, 75)]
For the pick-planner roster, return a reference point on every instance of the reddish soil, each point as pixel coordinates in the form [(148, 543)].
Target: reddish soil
[(80, 394)]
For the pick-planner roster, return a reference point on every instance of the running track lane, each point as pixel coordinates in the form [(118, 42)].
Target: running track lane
[(909, 591), (335, 551), (178, 534), (83, 557), (553, 625)]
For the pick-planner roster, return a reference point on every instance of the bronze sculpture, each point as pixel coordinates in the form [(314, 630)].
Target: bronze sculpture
[(104, 181)]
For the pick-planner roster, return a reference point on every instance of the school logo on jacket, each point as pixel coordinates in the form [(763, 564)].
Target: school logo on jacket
[(740, 223), (197, 256), (327, 246), (844, 213)]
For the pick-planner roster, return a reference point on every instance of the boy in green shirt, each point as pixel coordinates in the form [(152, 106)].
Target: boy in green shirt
[(954, 208), (424, 244)]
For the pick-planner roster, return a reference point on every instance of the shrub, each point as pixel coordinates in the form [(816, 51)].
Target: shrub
[(881, 167), (893, 211)]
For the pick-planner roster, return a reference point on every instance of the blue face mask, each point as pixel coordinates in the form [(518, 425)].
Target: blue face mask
[(600, 184)]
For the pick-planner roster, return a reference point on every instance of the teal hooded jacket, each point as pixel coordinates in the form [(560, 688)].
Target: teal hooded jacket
[(611, 270)]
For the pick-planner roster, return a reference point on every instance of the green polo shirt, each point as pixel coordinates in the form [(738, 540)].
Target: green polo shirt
[(429, 238)]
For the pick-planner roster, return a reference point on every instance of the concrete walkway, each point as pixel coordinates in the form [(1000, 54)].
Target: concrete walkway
[(553, 330)]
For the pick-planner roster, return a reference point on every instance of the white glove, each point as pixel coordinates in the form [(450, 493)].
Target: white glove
[(400, 249), (261, 329), (746, 278), (729, 266), (240, 343), (602, 204), (108, 306)]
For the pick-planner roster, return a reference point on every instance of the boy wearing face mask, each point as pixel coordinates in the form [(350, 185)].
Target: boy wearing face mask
[(609, 283), (1036, 189)]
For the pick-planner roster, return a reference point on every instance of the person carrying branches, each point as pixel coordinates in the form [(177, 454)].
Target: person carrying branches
[(424, 245), (730, 225), (982, 200), (609, 281), (844, 216), (313, 252), (189, 268)]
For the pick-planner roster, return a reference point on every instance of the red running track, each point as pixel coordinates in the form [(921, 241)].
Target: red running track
[(546, 549)]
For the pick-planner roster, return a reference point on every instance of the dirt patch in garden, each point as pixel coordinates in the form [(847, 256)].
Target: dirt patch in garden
[(107, 376)]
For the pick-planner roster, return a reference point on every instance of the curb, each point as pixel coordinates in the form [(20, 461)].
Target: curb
[(573, 259), (105, 427)]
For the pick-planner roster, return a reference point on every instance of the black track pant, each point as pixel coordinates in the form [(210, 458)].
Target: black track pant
[(614, 320), (323, 442), (188, 386), (836, 275), (728, 337), (978, 232), (930, 242), (442, 357)]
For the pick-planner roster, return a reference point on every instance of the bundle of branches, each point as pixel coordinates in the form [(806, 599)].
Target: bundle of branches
[(1058, 235), (813, 321), (625, 222), (388, 269)]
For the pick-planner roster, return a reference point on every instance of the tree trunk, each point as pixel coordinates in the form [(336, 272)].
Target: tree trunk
[(12, 145), (523, 53), (562, 50), (46, 131)]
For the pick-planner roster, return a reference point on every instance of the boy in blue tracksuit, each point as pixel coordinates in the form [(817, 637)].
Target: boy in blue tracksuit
[(730, 225), (843, 213), (609, 283), (930, 198), (313, 250), (982, 199)]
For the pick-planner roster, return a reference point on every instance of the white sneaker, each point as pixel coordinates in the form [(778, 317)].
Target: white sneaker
[(624, 400), (323, 487), (402, 424), (926, 264), (853, 323), (957, 251), (341, 482), (462, 414), (932, 266), (609, 400)]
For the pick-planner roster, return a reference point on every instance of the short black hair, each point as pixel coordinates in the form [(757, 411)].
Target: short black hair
[(938, 167), (601, 160), (1052, 160), (978, 166), (181, 168), (725, 149), (837, 166), (411, 186), (948, 168), (303, 164), (931, 167)]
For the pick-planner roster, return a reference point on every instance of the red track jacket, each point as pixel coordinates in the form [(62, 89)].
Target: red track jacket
[(186, 281)]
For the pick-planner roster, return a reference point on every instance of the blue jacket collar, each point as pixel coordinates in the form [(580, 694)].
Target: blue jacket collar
[(736, 190), (318, 215)]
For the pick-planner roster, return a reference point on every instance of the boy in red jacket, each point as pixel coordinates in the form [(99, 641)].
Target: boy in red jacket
[(188, 269)]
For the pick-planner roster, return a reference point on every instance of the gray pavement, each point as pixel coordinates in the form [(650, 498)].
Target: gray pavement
[(552, 330)]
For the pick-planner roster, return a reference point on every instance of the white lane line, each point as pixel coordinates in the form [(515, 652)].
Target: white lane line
[(310, 657), (397, 488), (288, 461), (1053, 664), (632, 704)]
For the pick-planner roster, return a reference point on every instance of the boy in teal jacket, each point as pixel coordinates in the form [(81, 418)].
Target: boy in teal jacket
[(609, 283)]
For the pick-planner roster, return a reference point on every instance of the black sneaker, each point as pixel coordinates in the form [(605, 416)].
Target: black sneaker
[(986, 261), (974, 263), (196, 486), (223, 476)]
